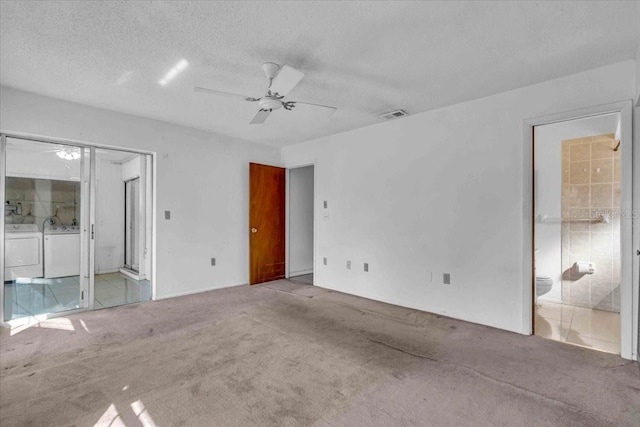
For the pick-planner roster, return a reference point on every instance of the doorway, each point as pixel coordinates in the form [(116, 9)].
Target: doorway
[(281, 223), (581, 231), (267, 255), (300, 222), (122, 240), (63, 233)]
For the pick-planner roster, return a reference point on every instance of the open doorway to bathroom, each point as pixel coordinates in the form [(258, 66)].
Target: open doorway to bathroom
[(300, 196), (577, 231)]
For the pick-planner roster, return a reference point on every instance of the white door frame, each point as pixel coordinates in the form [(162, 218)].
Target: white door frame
[(630, 190), (86, 208), (288, 168), (91, 146), (3, 158)]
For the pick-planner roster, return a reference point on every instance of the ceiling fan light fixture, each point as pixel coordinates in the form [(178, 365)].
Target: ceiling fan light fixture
[(69, 153), (270, 103)]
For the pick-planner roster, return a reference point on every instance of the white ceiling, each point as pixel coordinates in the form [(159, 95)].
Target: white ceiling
[(365, 58)]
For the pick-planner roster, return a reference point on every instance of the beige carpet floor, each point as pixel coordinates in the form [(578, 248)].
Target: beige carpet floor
[(287, 354)]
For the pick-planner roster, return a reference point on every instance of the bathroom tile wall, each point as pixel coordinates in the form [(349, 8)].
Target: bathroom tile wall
[(591, 190)]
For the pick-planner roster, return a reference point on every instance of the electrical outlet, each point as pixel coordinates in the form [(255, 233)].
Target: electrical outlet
[(167, 214), (446, 278), (213, 262), (349, 265), (325, 204), (324, 260), (366, 266)]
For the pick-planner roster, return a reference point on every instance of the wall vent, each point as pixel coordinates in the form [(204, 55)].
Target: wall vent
[(393, 115)]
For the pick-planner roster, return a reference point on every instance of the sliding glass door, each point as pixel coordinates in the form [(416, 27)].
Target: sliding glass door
[(43, 228), (76, 232)]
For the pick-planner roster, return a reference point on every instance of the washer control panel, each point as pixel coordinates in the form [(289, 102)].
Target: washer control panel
[(62, 229)]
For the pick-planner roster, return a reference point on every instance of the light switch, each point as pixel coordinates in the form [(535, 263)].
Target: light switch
[(167, 214)]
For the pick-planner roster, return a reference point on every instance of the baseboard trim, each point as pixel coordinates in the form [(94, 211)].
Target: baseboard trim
[(107, 271), (199, 291)]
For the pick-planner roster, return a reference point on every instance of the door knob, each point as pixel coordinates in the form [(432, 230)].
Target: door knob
[(254, 230)]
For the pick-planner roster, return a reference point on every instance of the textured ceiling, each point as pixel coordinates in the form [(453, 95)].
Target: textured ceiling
[(365, 58)]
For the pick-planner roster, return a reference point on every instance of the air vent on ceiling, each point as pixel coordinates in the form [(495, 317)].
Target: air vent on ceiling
[(393, 115)]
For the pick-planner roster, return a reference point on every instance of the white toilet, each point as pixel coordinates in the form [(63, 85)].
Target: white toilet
[(543, 285)]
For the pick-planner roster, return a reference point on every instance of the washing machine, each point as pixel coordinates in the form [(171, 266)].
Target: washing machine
[(61, 251), (23, 251)]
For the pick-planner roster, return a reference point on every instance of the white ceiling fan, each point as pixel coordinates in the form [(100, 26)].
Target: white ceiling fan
[(281, 82)]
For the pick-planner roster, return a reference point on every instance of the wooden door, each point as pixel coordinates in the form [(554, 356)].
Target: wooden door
[(266, 223)]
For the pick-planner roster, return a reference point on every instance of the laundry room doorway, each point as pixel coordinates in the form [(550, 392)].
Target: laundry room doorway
[(45, 209), (76, 233)]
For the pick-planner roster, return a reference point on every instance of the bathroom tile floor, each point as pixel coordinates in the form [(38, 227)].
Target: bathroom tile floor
[(596, 329), (30, 297)]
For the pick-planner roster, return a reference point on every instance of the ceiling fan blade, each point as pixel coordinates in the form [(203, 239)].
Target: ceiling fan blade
[(286, 80), (218, 92), (260, 117), (316, 105)]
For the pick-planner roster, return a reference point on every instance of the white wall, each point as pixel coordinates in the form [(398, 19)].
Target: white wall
[(638, 76), (35, 160), (301, 221), (131, 168), (201, 178), (636, 198), (440, 192), (548, 183), (109, 242)]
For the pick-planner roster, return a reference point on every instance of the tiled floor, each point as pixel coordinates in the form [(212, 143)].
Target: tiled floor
[(596, 329), (114, 289), (30, 297)]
